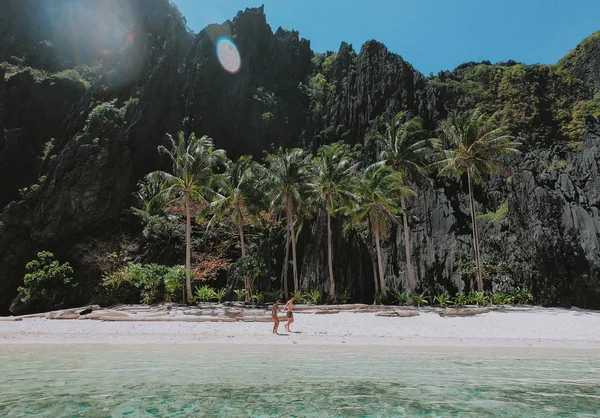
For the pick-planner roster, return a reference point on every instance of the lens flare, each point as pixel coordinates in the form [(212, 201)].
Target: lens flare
[(228, 55)]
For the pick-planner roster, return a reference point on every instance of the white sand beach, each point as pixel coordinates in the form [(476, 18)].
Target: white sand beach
[(520, 327)]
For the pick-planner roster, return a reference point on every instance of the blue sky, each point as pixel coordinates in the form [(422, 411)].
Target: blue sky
[(432, 35)]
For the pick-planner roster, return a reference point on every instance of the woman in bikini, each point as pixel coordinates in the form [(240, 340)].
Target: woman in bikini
[(289, 307), (274, 310)]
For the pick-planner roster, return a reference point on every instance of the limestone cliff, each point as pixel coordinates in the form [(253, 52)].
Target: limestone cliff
[(155, 77)]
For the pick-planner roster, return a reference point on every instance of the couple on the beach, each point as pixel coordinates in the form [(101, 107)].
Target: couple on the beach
[(289, 307)]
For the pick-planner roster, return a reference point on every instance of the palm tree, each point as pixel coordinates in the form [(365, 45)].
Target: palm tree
[(332, 186), (150, 198), (289, 177), (405, 148), (191, 179), (377, 194), (474, 147), (238, 198)]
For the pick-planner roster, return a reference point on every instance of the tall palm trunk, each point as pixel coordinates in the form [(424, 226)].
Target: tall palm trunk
[(293, 238), (375, 279), (188, 247), (478, 274), (284, 270), (410, 274), (243, 247), (330, 256), (382, 288)]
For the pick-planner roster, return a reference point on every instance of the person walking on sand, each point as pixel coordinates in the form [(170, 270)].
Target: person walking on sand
[(289, 307), (274, 310)]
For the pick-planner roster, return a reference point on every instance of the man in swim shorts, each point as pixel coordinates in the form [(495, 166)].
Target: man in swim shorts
[(289, 307)]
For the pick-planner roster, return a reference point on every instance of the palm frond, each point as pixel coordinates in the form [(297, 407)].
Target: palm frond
[(472, 144)]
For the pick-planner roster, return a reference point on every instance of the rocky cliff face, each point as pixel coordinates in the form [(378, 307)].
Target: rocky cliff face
[(32, 114), (584, 62), (258, 106), (158, 79), (105, 144)]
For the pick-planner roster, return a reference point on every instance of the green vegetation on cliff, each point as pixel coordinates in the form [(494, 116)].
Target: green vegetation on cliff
[(40, 75)]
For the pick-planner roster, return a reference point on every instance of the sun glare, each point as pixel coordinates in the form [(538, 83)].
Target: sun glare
[(228, 55)]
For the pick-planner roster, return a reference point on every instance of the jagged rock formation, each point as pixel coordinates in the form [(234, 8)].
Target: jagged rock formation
[(261, 105), (155, 77)]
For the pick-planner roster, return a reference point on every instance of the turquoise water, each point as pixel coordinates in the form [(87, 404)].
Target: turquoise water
[(238, 380)]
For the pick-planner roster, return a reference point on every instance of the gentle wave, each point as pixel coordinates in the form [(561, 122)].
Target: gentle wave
[(104, 381)]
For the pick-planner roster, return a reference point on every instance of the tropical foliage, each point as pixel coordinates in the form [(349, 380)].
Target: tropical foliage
[(146, 283), (46, 280), (241, 218), (405, 147), (239, 200), (194, 160), (248, 269), (474, 146), (334, 171), (289, 186), (378, 194)]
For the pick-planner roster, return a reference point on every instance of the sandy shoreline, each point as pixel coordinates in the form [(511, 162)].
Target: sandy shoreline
[(551, 328)]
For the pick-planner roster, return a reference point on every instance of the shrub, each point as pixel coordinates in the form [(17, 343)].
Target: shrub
[(491, 269), (343, 297), (460, 300), (11, 70), (143, 282), (500, 299), (73, 75), (419, 300), (47, 150), (150, 281), (318, 89), (298, 296), (174, 280), (104, 116), (220, 294), (442, 300), (479, 298), (107, 110), (313, 297), (248, 269), (205, 294), (522, 297), (145, 277), (258, 297), (380, 299), (400, 297), (498, 216), (576, 126), (38, 75), (240, 294), (46, 279), (208, 266)]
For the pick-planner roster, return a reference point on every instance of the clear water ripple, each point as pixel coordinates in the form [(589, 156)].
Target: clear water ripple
[(190, 381)]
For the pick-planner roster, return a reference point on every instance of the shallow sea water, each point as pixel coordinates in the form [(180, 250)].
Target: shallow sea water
[(300, 380)]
